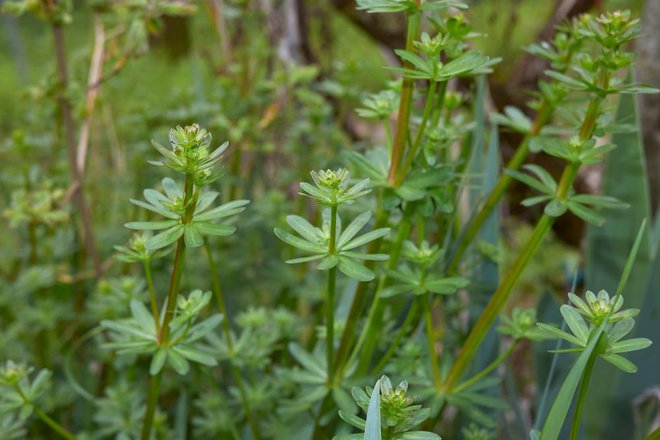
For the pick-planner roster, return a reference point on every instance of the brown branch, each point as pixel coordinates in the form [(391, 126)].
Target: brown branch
[(78, 195), (95, 69)]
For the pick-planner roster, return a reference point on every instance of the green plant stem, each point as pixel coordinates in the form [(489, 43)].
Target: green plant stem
[(217, 291), (360, 297), (410, 317), (502, 184), (152, 294), (582, 393), (63, 432), (437, 108), (483, 373), (330, 300), (430, 100), (430, 339), (222, 308), (175, 281), (388, 135), (164, 332), (405, 103), (152, 402), (501, 295), (369, 337)]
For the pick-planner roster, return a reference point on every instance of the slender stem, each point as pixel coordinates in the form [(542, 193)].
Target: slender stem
[(584, 386), (53, 424), (175, 281), (330, 323), (360, 297), (502, 184), (217, 291), (164, 331), (430, 339), (152, 294), (152, 402), (246, 403), (405, 103), (483, 373), (430, 100), (388, 135), (330, 300), (501, 295), (410, 317), (369, 335)]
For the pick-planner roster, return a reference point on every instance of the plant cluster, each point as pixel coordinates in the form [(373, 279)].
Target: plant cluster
[(240, 309)]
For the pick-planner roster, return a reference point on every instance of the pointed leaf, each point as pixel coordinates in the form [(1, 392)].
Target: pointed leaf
[(354, 270), (164, 238), (299, 242)]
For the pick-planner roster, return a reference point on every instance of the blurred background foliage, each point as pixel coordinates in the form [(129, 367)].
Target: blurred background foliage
[(304, 73)]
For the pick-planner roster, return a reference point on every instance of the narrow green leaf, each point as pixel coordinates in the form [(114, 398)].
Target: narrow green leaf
[(586, 214), (354, 270), (158, 361), (164, 238), (629, 345), (162, 211), (575, 322), (419, 435), (366, 238), (328, 262), (299, 242), (151, 226), (196, 355), (620, 362), (372, 425), (555, 420), (304, 228), (306, 360), (178, 362), (216, 229), (352, 420), (555, 208), (353, 228), (304, 259), (192, 236), (144, 319), (171, 188), (222, 211)]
